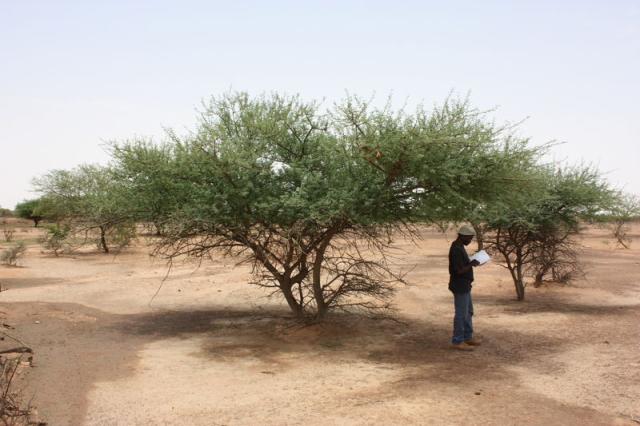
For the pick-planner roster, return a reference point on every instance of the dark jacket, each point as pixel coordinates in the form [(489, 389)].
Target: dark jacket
[(458, 258)]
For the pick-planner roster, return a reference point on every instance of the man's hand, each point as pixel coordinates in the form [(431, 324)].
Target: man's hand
[(474, 263)]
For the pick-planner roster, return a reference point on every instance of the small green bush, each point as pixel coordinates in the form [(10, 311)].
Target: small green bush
[(56, 239)]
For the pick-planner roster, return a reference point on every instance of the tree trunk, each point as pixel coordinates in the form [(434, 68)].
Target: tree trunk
[(103, 240), (520, 289), (159, 227), (285, 283), (322, 312), (539, 278), (542, 271), (318, 294), (287, 291), (519, 282), (479, 235)]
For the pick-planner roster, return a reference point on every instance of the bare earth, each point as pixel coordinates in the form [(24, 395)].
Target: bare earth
[(211, 350)]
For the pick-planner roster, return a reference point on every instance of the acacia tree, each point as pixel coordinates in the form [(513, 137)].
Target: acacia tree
[(626, 210), (91, 202), (39, 209), (28, 209), (312, 198), (532, 230)]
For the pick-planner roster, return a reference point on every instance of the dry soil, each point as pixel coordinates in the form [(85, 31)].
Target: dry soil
[(212, 350)]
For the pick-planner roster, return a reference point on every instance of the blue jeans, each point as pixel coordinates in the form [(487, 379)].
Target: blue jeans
[(462, 323)]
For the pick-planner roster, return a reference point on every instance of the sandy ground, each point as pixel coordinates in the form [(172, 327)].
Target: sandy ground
[(212, 350)]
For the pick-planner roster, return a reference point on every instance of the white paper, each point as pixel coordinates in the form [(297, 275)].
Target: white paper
[(481, 257)]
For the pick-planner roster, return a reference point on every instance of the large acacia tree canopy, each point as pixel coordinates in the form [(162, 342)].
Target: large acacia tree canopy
[(308, 194), (279, 161)]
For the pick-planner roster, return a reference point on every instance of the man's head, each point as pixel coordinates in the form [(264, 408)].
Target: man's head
[(466, 234)]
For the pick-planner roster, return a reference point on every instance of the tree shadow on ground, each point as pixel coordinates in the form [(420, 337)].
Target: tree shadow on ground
[(18, 283), (542, 304), (274, 338), (109, 347)]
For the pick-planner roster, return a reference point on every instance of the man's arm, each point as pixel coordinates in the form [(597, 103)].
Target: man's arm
[(460, 264), (467, 267)]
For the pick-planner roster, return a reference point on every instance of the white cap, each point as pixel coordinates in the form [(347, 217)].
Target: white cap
[(466, 230)]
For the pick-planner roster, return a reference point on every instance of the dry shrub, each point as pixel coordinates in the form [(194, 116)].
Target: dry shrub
[(627, 212), (556, 258), (11, 255), (620, 233), (8, 234), (12, 410), (56, 239)]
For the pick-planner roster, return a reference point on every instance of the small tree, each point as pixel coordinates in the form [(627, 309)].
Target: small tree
[(312, 199), (28, 209), (532, 230), (625, 211), (91, 201), (57, 239), (556, 256)]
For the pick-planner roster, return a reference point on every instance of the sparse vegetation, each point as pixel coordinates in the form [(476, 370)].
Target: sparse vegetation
[(627, 210), (8, 233), (557, 257), (313, 199), (56, 239), (91, 203), (11, 254), (532, 231), (13, 410), (29, 209)]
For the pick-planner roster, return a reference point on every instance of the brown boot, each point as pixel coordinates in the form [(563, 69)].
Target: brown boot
[(461, 347), (473, 342)]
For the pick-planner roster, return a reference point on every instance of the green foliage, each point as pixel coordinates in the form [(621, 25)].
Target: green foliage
[(6, 212), (301, 192), (57, 239), (625, 211), (312, 198), (89, 199), (11, 255), (28, 209), (148, 171), (38, 209), (122, 234), (532, 230)]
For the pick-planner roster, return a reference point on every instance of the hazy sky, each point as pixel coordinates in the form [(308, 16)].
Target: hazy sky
[(76, 74)]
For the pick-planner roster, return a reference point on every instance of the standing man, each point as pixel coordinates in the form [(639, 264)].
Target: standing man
[(460, 279)]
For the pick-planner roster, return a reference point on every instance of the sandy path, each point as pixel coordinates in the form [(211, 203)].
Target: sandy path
[(212, 350)]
